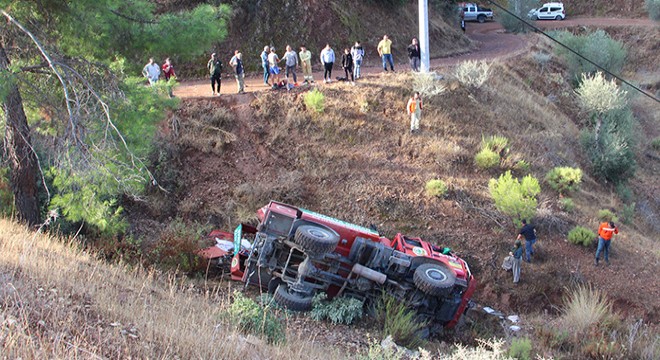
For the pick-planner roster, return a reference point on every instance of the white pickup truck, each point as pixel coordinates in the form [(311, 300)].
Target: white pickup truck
[(474, 12)]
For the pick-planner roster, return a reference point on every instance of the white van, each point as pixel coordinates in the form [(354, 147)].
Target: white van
[(549, 11)]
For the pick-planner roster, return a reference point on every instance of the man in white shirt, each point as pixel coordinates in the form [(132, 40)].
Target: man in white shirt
[(151, 71)]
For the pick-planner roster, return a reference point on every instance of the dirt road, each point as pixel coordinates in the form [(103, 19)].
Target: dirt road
[(492, 43)]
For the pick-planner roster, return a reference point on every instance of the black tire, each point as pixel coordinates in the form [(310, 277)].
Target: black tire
[(558, 17), (273, 284), (316, 240), (292, 300), (535, 17), (481, 19), (434, 279)]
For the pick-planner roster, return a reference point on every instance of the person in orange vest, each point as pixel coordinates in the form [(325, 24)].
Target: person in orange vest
[(414, 109), (605, 233)]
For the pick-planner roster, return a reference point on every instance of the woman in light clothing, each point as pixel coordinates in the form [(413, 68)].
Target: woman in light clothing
[(358, 54)]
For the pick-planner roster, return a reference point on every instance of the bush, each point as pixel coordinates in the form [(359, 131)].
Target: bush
[(628, 213), (486, 159), (567, 204), (584, 309), (607, 215), (581, 236), (597, 46), (436, 188), (625, 193), (341, 310), (472, 73), (496, 143), (564, 179), (653, 7), (519, 8), (399, 322), (516, 199), (655, 144), (6, 194), (177, 247), (521, 349), (599, 95), (428, 84), (314, 100), (251, 318)]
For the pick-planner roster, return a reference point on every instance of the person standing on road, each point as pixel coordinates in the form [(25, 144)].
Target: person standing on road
[(291, 60), (605, 232), (168, 69), (385, 52), (306, 63), (273, 60), (516, 253), (414, 55), (327, 59), (151, 71), (239, 72), (529, 232), (264, 64), (347, 65), (462, 22), (414, 109), (215, 71), (358, 54)]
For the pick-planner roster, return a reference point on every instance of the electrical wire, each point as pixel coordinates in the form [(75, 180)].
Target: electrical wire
[(650, 96)]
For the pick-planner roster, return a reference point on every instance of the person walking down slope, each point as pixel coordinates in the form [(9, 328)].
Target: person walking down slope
[(529, 232), (347, 64), (605, 232), (327, 59), (517, 253), (151, 71), (239, 72), (273, 60), (264, 64), (291, 60), (358, 54), (414, 109), (414, 55), (306, 64), (215, 71), (385, 52)]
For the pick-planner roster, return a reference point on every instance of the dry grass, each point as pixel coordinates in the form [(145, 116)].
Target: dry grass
[(58, 301)]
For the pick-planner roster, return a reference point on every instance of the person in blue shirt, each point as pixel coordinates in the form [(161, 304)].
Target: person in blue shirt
[(264, 64)]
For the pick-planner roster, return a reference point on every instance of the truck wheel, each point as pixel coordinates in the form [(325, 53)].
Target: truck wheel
[(316, 240), (535, 17), (558, 17), (434, 279), (481, 19), (292, 300)]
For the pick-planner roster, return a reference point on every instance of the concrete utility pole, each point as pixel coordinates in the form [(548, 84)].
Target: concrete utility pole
[(424, 35)]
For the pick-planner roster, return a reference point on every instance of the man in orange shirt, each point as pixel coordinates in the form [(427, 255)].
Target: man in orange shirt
[(605, 232)]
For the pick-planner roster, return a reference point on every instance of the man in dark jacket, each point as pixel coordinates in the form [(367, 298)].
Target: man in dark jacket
[(529, 232), (347, 64), (215, 71), (414, 55)]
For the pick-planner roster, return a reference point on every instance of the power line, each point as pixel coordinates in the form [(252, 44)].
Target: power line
[(575, 52)]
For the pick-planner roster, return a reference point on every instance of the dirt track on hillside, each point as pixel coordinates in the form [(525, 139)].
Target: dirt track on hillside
[(492, 43)]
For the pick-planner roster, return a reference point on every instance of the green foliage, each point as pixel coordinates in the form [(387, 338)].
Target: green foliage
[(598, 95), (486, 159), (596, 46), (399, 321), (653, 7), (314, 100), (625, 193), (516, 199), (519, 8), (6, 195), (436, 188), (341, 310), (521, 349), (581, 236), (251, 318), (607, 215), (628, 213), (655, 144), (472, 73), (493, 149), (567, 204), (177, 246), (522, 165), (564, 179)]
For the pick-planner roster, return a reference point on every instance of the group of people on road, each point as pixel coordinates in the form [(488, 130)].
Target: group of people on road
[(518, 253), (152, 71)]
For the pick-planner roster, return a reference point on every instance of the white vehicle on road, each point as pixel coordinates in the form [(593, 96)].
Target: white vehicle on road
[(549, 11)]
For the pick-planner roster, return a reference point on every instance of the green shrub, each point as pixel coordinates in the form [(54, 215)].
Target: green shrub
[(6, 194), (496, 143), (519, 8), (486, 159), (607, 215), (521, 165), (436, 188), (625, 193), (567, 204), (653, 7), (584, 309), (655, 144), (399, 321), (628, 213), (514, 198), (341, 310), (472, 73), (564, 179), (251, 318), (315, 100), (177, 247), (581, 236), (599, 95), (597, 46), (521, 349)]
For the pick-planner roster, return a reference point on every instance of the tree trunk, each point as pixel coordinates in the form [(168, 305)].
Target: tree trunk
[(22, 161)]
